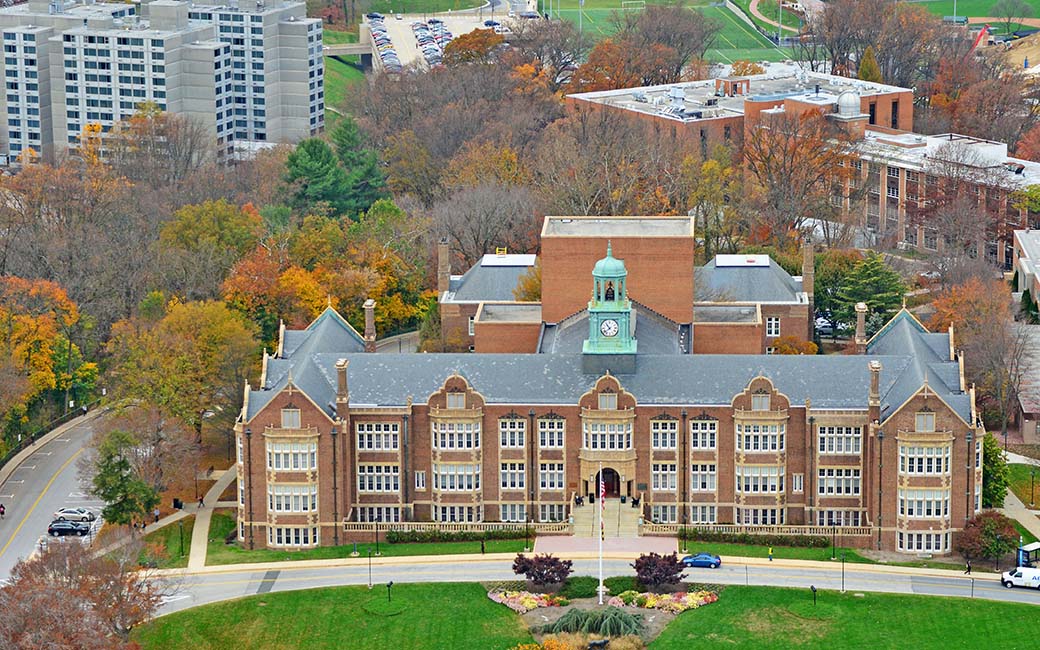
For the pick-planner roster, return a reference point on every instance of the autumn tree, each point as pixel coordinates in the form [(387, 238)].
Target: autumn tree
[(529, 286), (714, 201), (680, 34), (486, 162), (745, 68), (156, 148), (793, 160), (482, 218), (477, 46), (990, 535), (555, 46), (793, 345), (868, 67)]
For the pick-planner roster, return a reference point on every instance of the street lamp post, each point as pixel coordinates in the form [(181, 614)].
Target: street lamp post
[(369, 568), (181, 526), (377, 536), (834, 530), (1032, 480)]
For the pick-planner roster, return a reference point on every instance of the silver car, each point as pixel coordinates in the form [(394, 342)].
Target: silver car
[(74, 514)]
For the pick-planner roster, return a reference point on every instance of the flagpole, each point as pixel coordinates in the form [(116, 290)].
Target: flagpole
[(602, 504)]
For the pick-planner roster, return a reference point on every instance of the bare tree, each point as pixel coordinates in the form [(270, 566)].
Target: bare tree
[(554, 44), (686, 32), (482, 218), (1011, 12), (158, 149)]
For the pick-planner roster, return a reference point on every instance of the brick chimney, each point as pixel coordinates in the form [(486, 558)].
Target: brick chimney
[(443, 266), (342, 392), (370, 325), (861, 328)]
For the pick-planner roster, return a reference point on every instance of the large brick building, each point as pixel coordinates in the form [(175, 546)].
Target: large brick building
[(883, 443), (897, 174)]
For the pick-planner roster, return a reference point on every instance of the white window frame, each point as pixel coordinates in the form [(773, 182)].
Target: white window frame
[(608, 401), (772, 326), (664, 434), (551, 433), (663, 477), (760, 401), (703, 514), (924, 422), (379, 478), (512, 433), (552, 512), (703, 477), (551, 476), (291, 418), (703, 434), (839, 440), (797, 483), (455, 400), (513, 512), (420, 479), (512, 476), (378, 436)]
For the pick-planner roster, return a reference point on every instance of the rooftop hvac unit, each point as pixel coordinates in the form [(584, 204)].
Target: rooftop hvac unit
[(639, 96)]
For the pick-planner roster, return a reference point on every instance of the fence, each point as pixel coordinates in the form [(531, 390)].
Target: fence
[(44, 430), (557, 528), (731, 529)]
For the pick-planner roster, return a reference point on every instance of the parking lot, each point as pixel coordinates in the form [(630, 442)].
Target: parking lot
[(403, 38)]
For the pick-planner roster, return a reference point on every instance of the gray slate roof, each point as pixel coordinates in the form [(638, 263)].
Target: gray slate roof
[(655, 334), (745, 284), (907, 352), (486, 283)]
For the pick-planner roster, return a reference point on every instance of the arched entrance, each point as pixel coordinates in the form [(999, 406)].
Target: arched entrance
[(611, 482)]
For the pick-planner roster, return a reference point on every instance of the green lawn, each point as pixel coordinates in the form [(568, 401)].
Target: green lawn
[(340, 75), (753, 618), (419, 617), (817, 554), (221, 553), (1020, 479), (770, 9), (164, 545), (1027, 537), (971, 8)]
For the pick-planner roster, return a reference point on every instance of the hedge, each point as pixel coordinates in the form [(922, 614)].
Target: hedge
[(428, 536), (802, 541)]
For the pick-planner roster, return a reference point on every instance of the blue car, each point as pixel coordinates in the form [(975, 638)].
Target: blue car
[(706, 560)]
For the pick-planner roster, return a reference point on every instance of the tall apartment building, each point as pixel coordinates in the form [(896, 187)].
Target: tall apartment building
[(897, 172), (248, 75)]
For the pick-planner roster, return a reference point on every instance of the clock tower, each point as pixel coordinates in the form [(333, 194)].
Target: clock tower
[(610, 345)]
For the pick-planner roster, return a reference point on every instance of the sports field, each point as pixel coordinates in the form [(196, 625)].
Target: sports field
[(736, 40)]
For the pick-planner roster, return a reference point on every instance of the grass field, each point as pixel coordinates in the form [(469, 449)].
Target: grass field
[(736, 40), (219, 553), (168, 541), (1020, 479), (771, 10), (461, 617), (419, 617), (762, 617), (339, 75)]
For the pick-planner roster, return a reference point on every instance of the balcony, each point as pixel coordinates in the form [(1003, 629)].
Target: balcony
[(279, 432), (456, 414), (607, 455)]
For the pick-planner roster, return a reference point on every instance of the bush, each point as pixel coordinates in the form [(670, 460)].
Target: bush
[(658, 571), (801, 541), (612, 622), (617, 584), (579, 587), (432, 536), (988, 535), (542, 570)]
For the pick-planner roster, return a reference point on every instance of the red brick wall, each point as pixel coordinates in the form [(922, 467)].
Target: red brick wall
[(728, 338), (660, 273), (517, 338)]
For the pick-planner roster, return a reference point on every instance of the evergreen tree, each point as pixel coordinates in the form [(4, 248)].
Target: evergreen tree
[(871, 282), (317, 176), (868, 67), (996, 477), (127, 497), (365, 181)]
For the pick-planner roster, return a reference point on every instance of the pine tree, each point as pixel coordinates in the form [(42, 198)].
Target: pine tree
[(868, 67), (871, 282), (127, 497), (365, 181), (315, 171)]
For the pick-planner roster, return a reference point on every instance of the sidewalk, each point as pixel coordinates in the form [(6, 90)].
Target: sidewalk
[(1015, 509), (203, 516), (150, 528), (1018, 459)]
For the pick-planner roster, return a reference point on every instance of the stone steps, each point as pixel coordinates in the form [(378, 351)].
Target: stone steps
[(619, 520)]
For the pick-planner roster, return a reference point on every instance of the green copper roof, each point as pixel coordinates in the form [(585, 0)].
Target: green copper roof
[(609, 266)]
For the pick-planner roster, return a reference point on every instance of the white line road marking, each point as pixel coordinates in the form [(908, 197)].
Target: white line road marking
[(78, 495), (43, 453), (14, 481), (25, 467), (6, 496)]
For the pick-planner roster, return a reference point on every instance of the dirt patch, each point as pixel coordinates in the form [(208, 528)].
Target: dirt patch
[(655, 619), (772, 622)]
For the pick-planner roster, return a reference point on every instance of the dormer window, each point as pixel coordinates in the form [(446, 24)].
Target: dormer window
[(456, 400), (608, 402), (760, 402), (290, 418), (925, 422)]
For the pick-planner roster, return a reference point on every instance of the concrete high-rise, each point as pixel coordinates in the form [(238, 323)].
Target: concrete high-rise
[(248, 74)]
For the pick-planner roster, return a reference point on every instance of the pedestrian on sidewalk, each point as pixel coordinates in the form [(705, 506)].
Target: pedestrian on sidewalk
[(156, 514), (202, 502), (481, 547), (967, 567), (770, 553), (3, 511)]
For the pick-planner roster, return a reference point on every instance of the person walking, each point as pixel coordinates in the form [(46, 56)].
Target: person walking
[(967, 567), (770, 553), (156, 514), (481, 547), (3, 511), (202, 502)]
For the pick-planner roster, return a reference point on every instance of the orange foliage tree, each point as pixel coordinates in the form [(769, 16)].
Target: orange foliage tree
[(477, 46), (793, 345)]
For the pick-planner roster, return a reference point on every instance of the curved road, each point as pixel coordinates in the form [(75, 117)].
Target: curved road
[(209, 587)]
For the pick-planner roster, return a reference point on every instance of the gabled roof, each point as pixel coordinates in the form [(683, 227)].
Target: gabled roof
[(720, 280), (929, 357), (491, 279), (655, 333)]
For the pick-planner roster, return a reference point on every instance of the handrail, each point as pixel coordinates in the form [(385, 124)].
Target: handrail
[(560, 527)]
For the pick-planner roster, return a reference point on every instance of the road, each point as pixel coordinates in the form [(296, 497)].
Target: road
[(199, 589), (46, 481)]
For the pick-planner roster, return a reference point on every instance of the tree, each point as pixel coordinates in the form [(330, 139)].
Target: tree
[(793, 345), (832, 269), (477, 46), (868, 67), (996, 475), (365, 181), (871, 282), (155, 148), (529, 286), (127, 497), (317, 177), (542, 570), (555, 46), (1011, 12), (989, 535), (793, 160), (480, 219), (745, 68), (658, 571), (680, 34), (714, 203)]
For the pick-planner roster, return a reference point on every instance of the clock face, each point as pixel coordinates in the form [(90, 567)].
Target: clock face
[(609, 327)]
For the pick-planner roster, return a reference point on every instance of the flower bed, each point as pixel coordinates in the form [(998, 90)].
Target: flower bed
[(522, 602), (674, 603)]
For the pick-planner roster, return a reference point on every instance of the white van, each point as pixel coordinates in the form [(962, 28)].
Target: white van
[(1021, 577)]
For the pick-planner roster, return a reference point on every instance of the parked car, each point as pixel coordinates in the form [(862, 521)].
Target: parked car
[(63, 528), (1021, 577), (74, 514), (706, 560)]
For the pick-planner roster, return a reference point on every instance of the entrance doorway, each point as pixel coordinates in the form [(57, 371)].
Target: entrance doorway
[(611, 482)]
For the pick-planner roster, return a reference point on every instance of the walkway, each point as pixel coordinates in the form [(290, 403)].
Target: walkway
[(1017, 510), (203, 516), (753, 8)]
